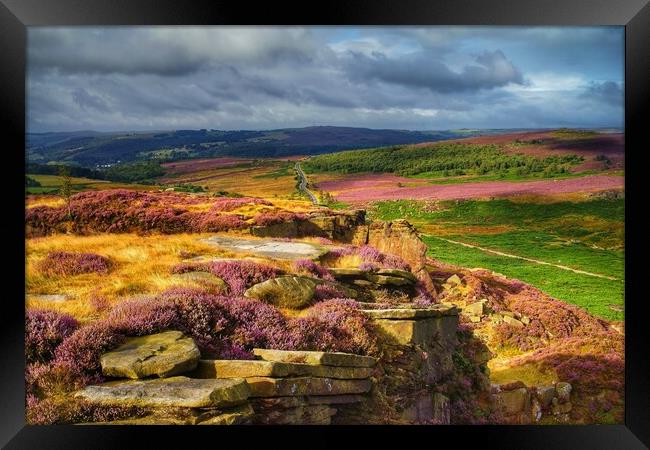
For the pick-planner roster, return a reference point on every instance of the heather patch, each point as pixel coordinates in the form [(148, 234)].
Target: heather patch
[(44, 331), (124, 211), (65, 263)]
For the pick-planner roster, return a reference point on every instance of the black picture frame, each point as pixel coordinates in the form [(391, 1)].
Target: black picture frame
[(16, 15)]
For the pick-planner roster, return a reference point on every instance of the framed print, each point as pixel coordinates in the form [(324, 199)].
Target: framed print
[(352, 218)]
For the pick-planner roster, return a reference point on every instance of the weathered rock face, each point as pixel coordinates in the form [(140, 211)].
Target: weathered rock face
[(418, 326), (287, 392), (170, 392), (513, 402), (163, 354), (336, 226), (308, 357), (399, 238), (280, 387), (369, 284), (417, 347), (285, 291)]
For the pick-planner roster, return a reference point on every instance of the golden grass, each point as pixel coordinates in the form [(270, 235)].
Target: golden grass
[(242, 181), (52, 201), (141, 266), (529, 374)]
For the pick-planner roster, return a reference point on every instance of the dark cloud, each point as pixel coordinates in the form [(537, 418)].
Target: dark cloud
[(89, 101), (423, 70), (129, 78)]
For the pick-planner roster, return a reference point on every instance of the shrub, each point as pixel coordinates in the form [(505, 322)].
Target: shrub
[(336, 325), (65, 263), (123, 211), (43, 379), (137, 317), (372, 258), (83, 348), (44, 331), (230, 204), (309, 267), (327, 292), (209, 222)]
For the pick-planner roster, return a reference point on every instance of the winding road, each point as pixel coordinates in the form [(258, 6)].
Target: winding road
[(303, 184)]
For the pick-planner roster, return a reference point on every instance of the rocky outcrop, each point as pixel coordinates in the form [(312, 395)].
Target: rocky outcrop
[(286, 291), (163, 355), (398, 238), (293, 291), (371, 284), (524, 405), (297, 387), (338, 226), (417, 347)]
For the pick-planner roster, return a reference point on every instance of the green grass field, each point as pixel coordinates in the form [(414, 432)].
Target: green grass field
[(50, 184), (586, 235)]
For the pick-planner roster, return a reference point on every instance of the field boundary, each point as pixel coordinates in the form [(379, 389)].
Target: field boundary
[(536, 261)]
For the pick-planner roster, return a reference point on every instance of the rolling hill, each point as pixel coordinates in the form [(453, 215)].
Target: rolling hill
[(92, 149)]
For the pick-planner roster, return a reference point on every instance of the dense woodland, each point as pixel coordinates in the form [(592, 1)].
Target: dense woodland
[(442, 159)]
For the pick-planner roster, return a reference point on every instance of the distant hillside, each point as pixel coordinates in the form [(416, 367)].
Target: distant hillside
[(546, 153), (91, 149)]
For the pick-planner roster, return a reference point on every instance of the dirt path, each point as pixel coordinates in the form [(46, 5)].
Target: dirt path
[(536, 261), (303, 184)]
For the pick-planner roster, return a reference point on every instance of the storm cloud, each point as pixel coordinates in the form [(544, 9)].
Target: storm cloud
[(144, 78)]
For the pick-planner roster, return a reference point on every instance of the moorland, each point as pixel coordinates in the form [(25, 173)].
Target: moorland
[(514, 239)]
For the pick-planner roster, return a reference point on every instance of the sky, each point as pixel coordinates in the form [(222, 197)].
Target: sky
[(236, 78)]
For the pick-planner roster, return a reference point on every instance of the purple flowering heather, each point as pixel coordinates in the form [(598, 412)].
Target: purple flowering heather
[(44, 331), (65, 263)]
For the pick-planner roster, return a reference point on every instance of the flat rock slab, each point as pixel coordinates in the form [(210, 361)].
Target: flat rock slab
[(162, 354), (308, 357), (170, 392), (246, 369), (282, 387), (398, 273), (340, 272), (389, 280), (411, 313), (269, 248)]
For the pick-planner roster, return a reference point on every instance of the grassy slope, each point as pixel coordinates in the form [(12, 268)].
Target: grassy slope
[(582, 235)]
